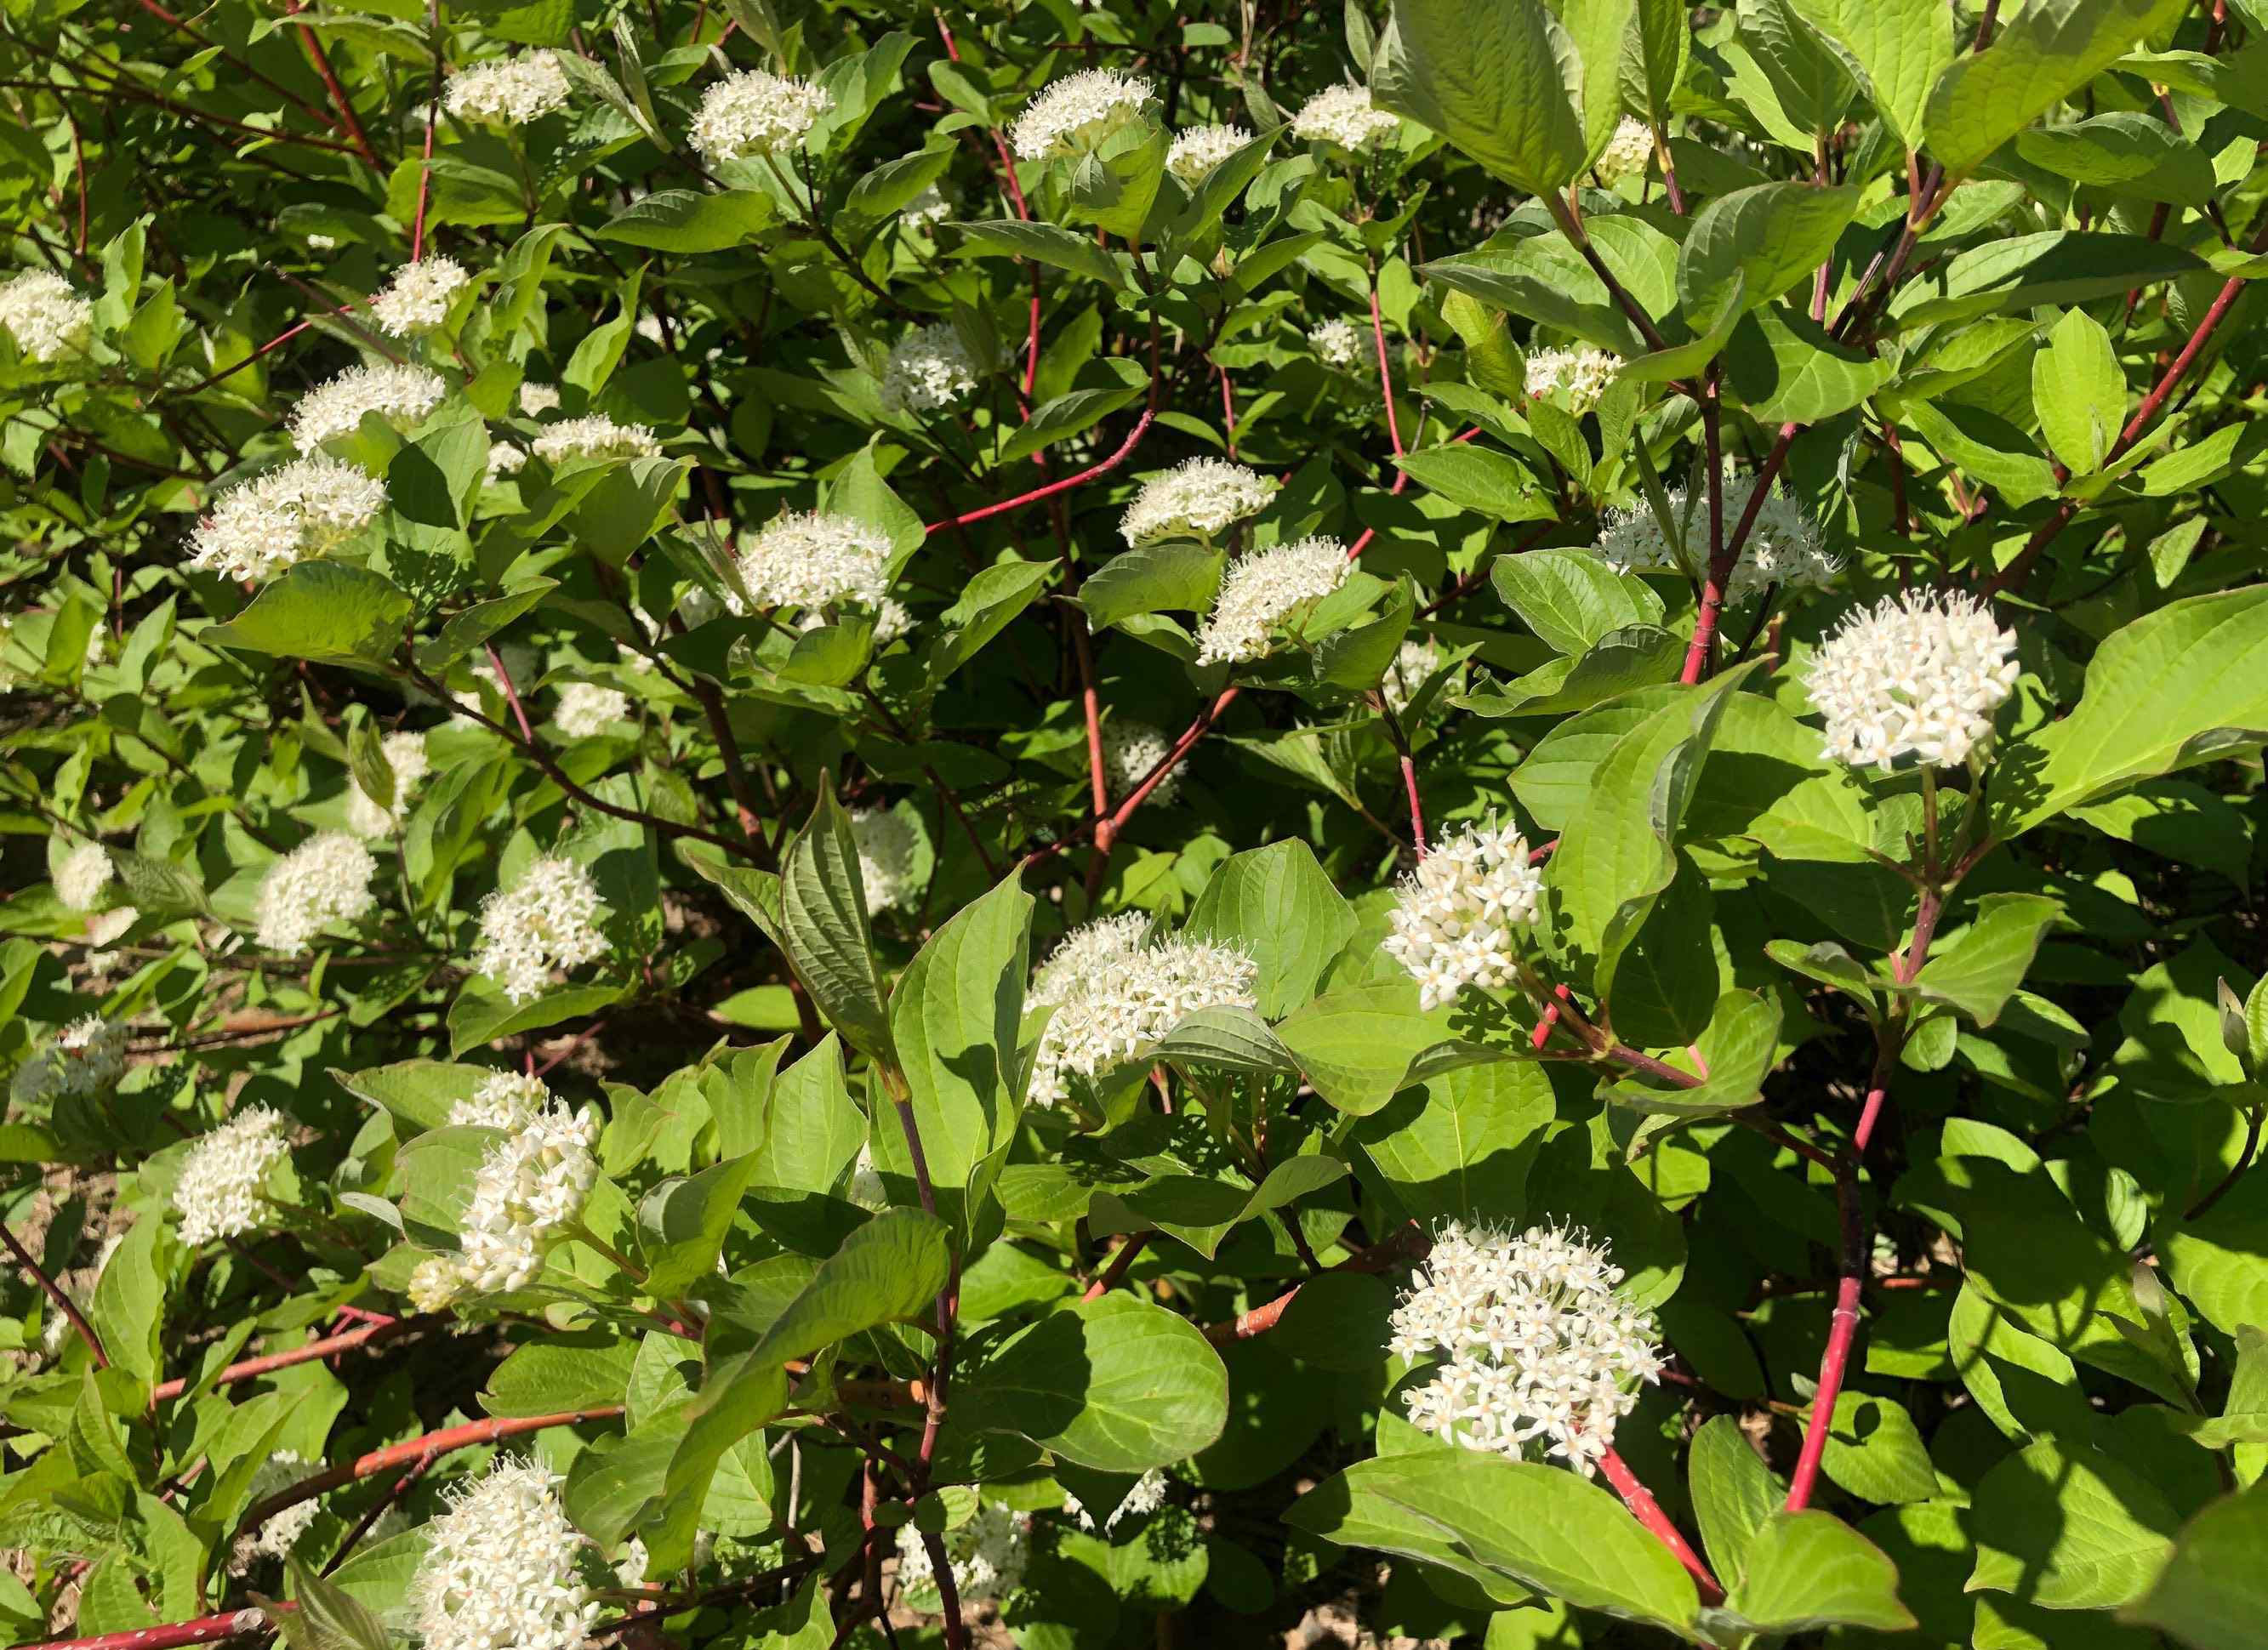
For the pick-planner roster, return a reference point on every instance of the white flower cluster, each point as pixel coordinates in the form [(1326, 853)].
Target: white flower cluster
[(87, 870), (1199, 150), (1114, 996), (281, 1532), (218, 1193), (85, 1058), (1584, 374), (1782, 547), (1453, 916), (401, 395), (325, 879), (306, 508), (538, 399), (756, 112), (1627, 154), (1414, 664), (1197, 498), (1340, 344), (1265, 590), (926, 211), (1921, 673), (435, 1283), (988, 1555), (510, 91), (417, 299), (1535, 1343), (1130, 749), (44, 315), (1148, 1495), (588, 709), (546, 920), (887, 843), (506, 1100), (597, 437), (530, 1187), (811, 560), (502, 1568), (405, 754), (505, 460), (929, 370), (1077, 112), (1344, 115)]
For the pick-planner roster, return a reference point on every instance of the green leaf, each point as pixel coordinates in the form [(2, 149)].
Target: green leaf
[(1897, 47), (2211, 1594), (2023, 271), (630, 501), (987, 605), (1874, 1450), (1222, 185), (2079, 393), (1810, 1570), (1506, 1523), (2069, 1528), (1044, 243), (681, 1224), (1358, 657), (1545, 280), (1199, 1211), (1977, 972), (482, 1014), (884, 190), (2186, 683), (1500, 79), (1114, 1383), (685, 221), (1734, 1495), (1808, 78), (2126, 153), (327, 613), (1785, 368), (1063, 417), (329, 1617), (1571, 599), (1737, 1051), (1457, 1145), (823, 928), (568, 1372), (1278, 906), (2046, 52), (1179, 577), (130, 1303), (1355, 1044), (1227, 1038), (1775, 234), (469, 629), (1481, 480)]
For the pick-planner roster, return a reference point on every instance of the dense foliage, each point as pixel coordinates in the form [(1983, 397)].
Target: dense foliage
[(1110, 825)]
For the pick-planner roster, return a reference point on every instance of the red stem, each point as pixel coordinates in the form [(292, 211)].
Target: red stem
[(1385, 372), (1721, 563), (1648, 1512), (1151, 781), (1409, 1244), (269, 1363), (54, 1293), (322, 63), (1103, 467), (1116, 1269)]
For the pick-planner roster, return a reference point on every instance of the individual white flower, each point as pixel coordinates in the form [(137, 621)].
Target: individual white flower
[(887, 843), (435, 1283), (546, 920), (597, 437), (1627, 154), (503, 1568), (1199, 497), (927, 209), (506, 1100), (87, 870), (1146, 1496), (813, 559), (45, 317), (405, 754), (280, 1533), (1340, 344), (588, 709), (306, 508), (1919, 673), (320, 242), (1414, 664), (1454, 915), (650, 328), (509, 91), (756, 112), (218, 1193), (929, 370), (85, 1058), (401, 395), (505, 459), (1264, 590), (1130, 749), (528, 1190), (1584, 374), (1533, 1342), (1344, 115), (417, 299), (1197, 150), (988, 1554), (1782, 549), (1077, 112), (104, 927), (325, 880), (538, 399), (1115, 996)]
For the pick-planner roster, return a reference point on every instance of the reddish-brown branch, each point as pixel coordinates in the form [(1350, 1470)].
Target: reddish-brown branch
[(1116, 1270), (1385, 369), (54, 1293), (1407, 1244), (1648, 1512), (230, 58), (1727, 553), (1103, 467), (1134, 798), (250, 1368), (322, 61)]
